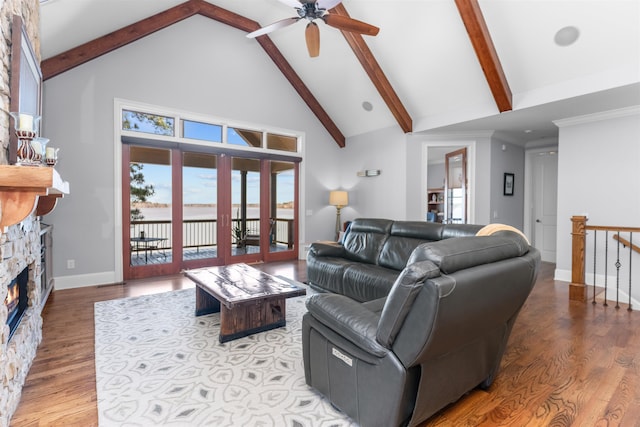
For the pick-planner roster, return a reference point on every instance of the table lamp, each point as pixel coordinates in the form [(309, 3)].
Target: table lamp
[(339, 199)]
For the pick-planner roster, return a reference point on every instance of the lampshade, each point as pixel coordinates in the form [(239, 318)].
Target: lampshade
[(338, 198)]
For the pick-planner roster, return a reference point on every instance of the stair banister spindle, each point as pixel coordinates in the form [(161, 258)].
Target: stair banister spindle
[(630, 270)]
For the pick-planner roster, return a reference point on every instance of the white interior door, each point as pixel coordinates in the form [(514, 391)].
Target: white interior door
[(545, 204)]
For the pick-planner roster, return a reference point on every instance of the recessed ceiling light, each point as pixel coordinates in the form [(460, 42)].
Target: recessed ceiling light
[(367, 106), (528, 131), (566, 36)]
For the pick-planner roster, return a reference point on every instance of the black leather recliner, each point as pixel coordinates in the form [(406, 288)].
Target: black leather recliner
[(440, 332)]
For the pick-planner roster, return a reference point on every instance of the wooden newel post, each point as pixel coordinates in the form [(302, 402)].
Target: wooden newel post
[(577, 287)]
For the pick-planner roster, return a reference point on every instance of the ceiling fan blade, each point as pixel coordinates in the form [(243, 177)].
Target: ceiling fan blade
[(349, 24), (312, 35), (327, 4), (292, 3), (275, 26)]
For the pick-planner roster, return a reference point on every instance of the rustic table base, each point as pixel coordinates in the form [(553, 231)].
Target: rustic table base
[(254, 302), (245, 319)]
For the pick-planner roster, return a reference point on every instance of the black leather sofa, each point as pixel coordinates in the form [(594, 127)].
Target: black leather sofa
[(372, 255), (440, 332)]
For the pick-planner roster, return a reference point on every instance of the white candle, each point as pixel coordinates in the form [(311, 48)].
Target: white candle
[(25, 122), (50, 153)]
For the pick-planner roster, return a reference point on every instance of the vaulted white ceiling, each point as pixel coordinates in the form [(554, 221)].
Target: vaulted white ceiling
[(426, 54)]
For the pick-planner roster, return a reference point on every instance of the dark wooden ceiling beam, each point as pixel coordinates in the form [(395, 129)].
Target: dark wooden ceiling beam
[(226, 16), (485, 50), (88, 51), (375, 73), (91, 50)]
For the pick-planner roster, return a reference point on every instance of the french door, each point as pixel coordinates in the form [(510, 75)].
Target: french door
[(188, 209)]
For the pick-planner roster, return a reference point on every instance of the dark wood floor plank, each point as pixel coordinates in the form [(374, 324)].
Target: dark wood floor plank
[(566, 364)]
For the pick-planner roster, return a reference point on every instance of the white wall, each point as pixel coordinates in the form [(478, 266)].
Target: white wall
[(598, 175), (197, 65), (382, 196), (507, 158), (435, 175)]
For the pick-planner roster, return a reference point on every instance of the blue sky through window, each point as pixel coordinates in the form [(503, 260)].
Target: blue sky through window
[(201, 184)]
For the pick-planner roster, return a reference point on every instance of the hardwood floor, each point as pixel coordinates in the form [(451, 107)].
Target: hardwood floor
[(567, 363)]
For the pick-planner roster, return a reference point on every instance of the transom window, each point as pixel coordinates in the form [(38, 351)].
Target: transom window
[(201, 129), (148, 123)]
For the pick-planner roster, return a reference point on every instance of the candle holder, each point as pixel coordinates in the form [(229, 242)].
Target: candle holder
[(26, 154), (39, 144), (51, 156), (26, 128)]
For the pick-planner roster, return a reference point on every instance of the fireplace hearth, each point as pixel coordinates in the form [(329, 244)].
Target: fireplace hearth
[(17, 300)]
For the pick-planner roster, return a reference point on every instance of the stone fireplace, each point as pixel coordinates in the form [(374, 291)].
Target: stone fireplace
[(20, 253), (20, 243)]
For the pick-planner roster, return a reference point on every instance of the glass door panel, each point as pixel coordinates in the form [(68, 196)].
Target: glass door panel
[(282, 206), (150, 193), (199, 206), (456, 187), (245, 207)]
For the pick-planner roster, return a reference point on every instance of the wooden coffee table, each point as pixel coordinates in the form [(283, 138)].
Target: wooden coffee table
[(249, 300)]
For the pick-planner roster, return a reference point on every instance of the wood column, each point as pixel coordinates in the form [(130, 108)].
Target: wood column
[(577, 287)]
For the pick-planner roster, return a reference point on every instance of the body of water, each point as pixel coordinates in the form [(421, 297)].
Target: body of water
[(204, 212)]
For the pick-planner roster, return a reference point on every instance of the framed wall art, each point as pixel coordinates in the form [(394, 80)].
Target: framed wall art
[(508, 184)]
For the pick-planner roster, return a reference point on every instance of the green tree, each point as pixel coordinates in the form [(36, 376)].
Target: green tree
[(160, 125), (139, 190)]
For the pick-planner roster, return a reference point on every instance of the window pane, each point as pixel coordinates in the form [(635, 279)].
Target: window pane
[(247, 138), (202, 131), (147, 123), (150, 191), (281, 233), (282, 142), (245, 204), (199, 210)]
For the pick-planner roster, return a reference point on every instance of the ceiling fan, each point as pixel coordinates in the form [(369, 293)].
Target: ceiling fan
[(317, 9)]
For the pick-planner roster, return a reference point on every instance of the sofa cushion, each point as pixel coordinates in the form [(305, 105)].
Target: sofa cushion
[(459, 230), (403, 238), (365, 239), (451, 255), (417, 229), (327, 271), (400, 299), (396, 251), (365, 282)]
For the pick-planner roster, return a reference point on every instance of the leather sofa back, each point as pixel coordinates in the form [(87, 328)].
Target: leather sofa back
[(405, 236), (365, 238), (390, 243)]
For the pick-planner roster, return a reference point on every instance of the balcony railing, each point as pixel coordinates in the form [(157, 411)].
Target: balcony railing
[(603, 261), (202, 233)]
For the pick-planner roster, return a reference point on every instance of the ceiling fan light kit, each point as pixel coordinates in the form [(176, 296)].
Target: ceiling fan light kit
[(317, 9)]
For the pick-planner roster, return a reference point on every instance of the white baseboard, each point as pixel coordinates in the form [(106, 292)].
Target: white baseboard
[(562, 275), (84, 280)]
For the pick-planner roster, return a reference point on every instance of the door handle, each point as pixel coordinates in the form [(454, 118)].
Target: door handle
[(537, 220)]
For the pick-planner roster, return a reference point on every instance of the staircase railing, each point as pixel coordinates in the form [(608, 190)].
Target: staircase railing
[(620, 261)]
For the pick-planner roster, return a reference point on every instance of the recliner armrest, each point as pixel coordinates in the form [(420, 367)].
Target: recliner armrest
[(349, 318), (328, 249)]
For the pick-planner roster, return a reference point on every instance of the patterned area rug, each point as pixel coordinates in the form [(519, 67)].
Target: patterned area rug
[(158, 364)]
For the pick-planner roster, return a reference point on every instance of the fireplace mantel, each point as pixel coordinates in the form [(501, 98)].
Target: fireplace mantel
[(23, 188)]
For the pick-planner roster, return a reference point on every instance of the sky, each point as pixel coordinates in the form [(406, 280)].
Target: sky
[(200, 185)]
